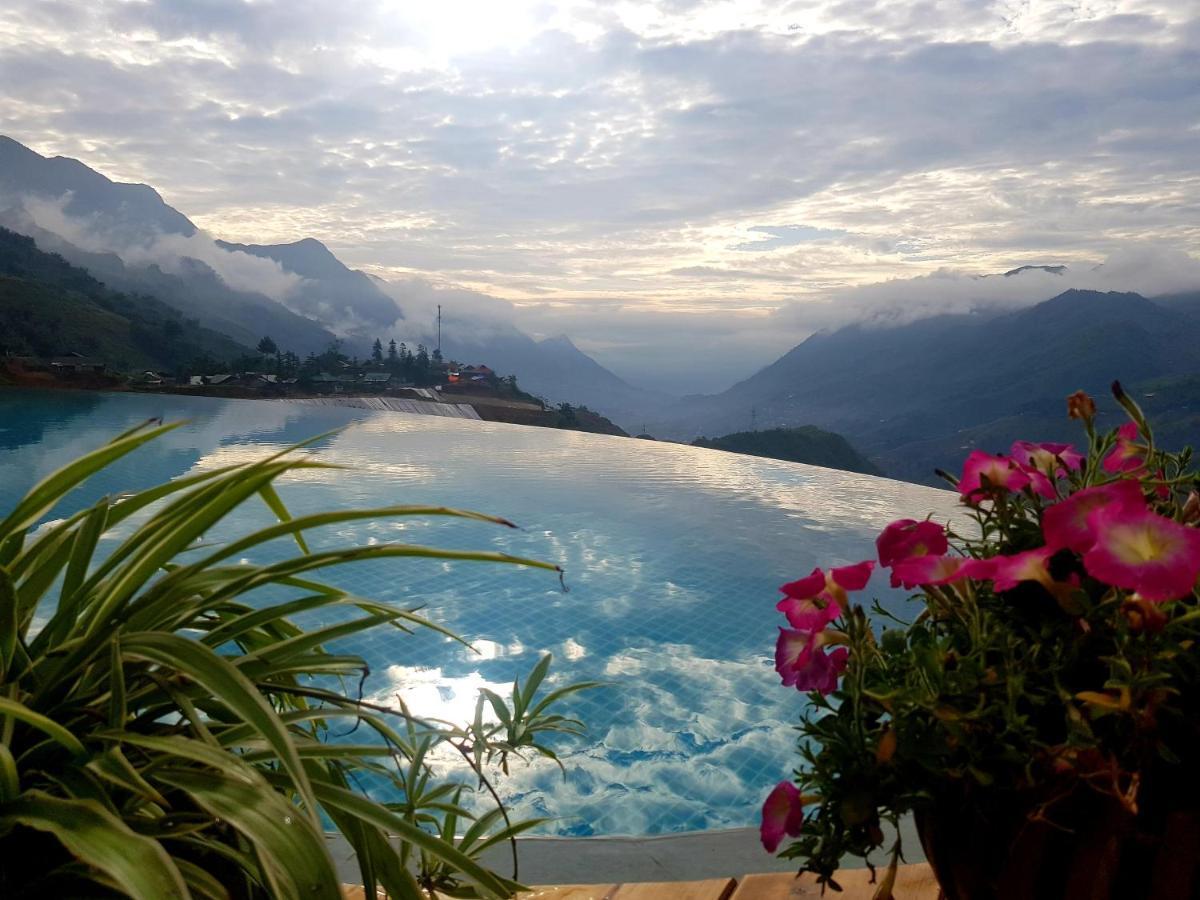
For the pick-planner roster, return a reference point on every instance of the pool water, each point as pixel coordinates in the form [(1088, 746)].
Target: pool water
[(673, 556)]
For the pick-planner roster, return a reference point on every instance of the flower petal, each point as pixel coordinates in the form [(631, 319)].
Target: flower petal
[(853, 578), (919, 571), (806, 587), (1142, 551), (1065, 524), (908, 537), (984, 474), (782, 815)]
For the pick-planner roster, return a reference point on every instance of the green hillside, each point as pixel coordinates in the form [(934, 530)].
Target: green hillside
[(50, 308), (807, 444)]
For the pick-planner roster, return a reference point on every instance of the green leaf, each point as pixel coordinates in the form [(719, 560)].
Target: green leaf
[(49, 727), (367, 811), (293, 850), (8, 622), (275, 502), (46, 493), (99, 839), (222, 679)]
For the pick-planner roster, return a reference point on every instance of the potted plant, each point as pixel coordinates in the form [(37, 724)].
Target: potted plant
[(1038, 713)]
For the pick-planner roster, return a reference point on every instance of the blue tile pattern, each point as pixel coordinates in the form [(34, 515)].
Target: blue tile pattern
[(673, 558)]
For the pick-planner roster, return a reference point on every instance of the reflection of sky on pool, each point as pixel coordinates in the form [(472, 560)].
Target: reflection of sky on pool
[(673, 556)]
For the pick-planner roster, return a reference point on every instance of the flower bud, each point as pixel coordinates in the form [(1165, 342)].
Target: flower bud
[(1081, 406), (1143, 615), (1191, 508)]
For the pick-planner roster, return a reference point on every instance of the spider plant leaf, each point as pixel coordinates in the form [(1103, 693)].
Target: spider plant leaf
[(296, 860), (97, 838), (50, 728), (275, 503), (366, 811), (47, 492), (222, 679)]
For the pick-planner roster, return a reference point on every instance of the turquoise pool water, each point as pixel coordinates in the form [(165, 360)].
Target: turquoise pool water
[(673, 555)]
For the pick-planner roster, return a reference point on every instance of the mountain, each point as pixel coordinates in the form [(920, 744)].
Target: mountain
[(127, 236), (330, 291), (917, 396), (803, 445), (556, 369), (51, 308), (194, 289), (127, 211)]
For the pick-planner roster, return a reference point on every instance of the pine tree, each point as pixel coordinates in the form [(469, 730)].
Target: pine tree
[(377, 353)]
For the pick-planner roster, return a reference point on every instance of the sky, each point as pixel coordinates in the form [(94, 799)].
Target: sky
[(664, 181)]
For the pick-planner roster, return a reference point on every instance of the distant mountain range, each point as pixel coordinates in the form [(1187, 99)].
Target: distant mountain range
[(918, 396), (128, 237)]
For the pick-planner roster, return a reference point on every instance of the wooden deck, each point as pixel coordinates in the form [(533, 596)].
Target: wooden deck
[(915, 882)]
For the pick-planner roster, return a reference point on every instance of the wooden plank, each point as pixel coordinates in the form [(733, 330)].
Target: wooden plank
[(913, 882), (710, 889), (571, 892)]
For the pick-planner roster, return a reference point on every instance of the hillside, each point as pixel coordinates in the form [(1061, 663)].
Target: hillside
[(806, 444), (51, 308), (916, 397)]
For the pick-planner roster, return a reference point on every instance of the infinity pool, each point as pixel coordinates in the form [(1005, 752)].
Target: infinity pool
[(673, 556)]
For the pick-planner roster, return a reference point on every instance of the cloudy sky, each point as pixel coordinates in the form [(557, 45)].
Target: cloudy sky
[(643, 175)]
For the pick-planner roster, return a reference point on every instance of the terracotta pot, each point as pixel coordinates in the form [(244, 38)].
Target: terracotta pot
[(991, 845)]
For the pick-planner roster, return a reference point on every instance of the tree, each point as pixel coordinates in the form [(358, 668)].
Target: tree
[(377, 352), (392, 356), (267, 347)]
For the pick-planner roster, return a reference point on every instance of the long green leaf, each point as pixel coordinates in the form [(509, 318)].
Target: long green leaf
[(370, 812), (292, 847), (222, 679), (48, 727), (99, 839), (46, 493)]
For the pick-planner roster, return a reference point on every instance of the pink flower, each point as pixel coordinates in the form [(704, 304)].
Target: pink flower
[(1142, 551), (908, 537), (983, 474), (1126, 456), (817, 599), (1066, 524), (1009, 571), (921, 571), (782, 814), (801, 660), (1052, 459)]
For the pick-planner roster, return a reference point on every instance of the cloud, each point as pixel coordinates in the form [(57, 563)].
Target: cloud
[(170, 252), (788, 236), (695, 158), (1144, 269)]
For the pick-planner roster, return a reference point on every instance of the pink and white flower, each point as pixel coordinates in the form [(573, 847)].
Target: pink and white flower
[(1055, 460), (907, 538), (782, 815), (1067, 524), (802, 663), (819, 598), (984, 474), (1127, 455), (1142, 551), (927, 571)]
